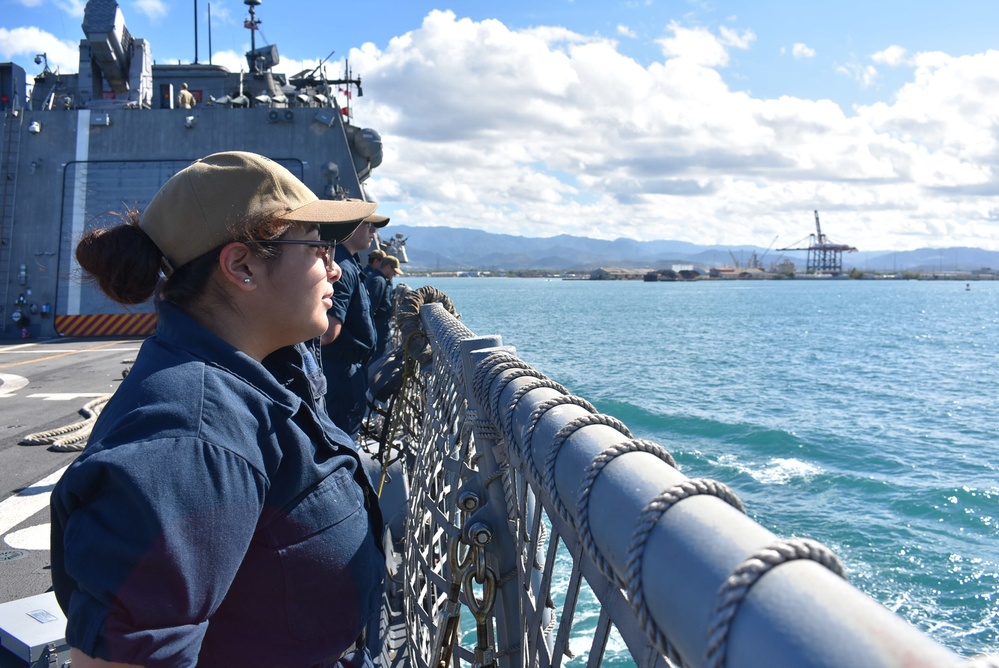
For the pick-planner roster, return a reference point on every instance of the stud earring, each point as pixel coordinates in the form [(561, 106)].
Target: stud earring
[(246, 280)]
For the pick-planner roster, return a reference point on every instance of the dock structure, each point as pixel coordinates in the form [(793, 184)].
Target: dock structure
[(824, 256)]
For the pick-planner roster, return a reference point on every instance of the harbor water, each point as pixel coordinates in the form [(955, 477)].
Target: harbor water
[(861, 414)]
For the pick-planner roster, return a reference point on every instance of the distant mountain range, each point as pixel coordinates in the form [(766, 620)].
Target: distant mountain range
[(457, 249)]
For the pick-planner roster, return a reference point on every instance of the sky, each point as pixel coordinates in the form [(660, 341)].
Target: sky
[(707, 121)]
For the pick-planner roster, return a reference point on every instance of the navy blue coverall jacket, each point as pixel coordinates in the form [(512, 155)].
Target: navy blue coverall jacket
[(345, 360), (216, 517)]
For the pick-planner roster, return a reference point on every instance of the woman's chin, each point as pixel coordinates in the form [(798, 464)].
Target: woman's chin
[(321, 325)]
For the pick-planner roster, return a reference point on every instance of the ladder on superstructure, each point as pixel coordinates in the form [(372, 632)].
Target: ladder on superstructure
[(13, 120)]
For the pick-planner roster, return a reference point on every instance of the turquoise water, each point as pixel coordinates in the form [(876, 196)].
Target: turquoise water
[(858, 413)]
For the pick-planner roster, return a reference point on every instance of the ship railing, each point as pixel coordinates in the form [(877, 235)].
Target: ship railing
[(541, 532)]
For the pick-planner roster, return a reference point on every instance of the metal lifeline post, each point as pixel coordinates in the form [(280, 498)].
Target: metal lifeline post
[(537, 609), (537, 615), (487, 526), (476, 509)]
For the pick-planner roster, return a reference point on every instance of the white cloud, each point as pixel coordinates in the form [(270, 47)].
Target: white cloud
[(62, 55), (948, 111), (736, 39), (153, 9), (72, 7), (544, 132), (625, 31), (221, 15), (865, 75), (696, 45), (800, 51), (231, 60), (892, 56)]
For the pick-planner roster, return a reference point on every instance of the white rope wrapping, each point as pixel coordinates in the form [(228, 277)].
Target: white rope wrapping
[(527, 453), (650, 516), (497, 391), (583, 501), (488, 369), (748, 573), (560, 438), (518, 395)]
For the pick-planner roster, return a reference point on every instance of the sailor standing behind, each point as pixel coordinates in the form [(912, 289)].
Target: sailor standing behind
[(374, 263), (185, 98), (350, 339), (216, 516), (380, 289)]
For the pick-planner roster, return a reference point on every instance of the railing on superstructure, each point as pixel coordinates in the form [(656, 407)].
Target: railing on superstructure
[(515, 483)]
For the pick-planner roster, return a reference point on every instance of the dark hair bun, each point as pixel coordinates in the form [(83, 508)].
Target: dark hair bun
[(122, 260)]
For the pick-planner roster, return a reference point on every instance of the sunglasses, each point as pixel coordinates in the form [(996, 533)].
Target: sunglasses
[(325, 247)]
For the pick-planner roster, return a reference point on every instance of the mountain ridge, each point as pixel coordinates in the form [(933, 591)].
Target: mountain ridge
[(440, 248)]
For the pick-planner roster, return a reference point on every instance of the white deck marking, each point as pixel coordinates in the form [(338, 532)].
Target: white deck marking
[(32, 538), (18, 348), (64, 396), (23, 350), (9, 383), (27, 502)]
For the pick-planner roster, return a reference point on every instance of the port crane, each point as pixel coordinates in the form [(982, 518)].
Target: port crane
[(824, 256), (762, 257)]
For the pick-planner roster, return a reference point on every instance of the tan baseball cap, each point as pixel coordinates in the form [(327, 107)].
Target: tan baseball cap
[(392, 261), (211, 201), (377, 220)]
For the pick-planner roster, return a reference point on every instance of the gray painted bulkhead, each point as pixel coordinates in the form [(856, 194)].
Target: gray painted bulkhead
[(86, 164), (78, 149)]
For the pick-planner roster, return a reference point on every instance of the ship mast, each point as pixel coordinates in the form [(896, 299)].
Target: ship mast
[(252, 23), (209, 33), (195, 32)]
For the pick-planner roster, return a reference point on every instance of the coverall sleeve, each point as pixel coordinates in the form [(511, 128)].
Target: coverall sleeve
[(153, 535)]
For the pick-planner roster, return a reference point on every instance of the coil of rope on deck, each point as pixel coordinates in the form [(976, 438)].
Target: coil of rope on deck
[(73, 437)]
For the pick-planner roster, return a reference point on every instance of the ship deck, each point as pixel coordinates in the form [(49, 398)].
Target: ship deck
[(43, 386)]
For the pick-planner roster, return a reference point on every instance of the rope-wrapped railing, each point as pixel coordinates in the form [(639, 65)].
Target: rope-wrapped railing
[(680, 572)]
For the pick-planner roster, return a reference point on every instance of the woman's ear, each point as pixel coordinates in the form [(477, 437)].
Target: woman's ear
[(239, 266)]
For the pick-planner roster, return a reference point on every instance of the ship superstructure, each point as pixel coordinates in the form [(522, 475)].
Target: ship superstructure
[(77, 148)]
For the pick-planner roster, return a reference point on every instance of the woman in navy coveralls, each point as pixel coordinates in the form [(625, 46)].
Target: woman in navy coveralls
[(217, 517)]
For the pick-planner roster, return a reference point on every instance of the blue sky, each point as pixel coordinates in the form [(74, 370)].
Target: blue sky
[(712, 122)]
